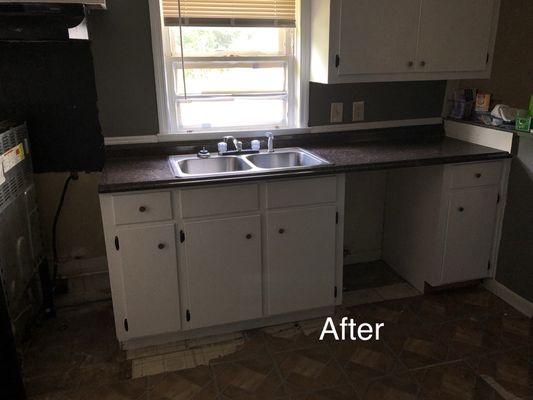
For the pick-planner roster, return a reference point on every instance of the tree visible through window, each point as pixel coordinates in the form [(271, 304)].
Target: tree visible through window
[(229, 73)]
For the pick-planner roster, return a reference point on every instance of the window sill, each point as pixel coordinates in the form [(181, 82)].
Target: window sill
[(212, 135)]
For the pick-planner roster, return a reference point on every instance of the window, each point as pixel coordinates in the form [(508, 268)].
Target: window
[(229, 64)]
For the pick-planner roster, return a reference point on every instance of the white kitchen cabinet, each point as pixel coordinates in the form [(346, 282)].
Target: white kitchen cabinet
[(223, 270), (455, 35), (378, 36), (469, 233), (395, 40), (202, 260), (441, 222), (301, 258), (150, 279)]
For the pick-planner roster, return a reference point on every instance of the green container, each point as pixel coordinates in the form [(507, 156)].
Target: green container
[(523, 124), (531, 106)]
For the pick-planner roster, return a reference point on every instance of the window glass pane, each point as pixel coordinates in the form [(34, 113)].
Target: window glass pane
[(233, 112), (228, 41), (227, 79)]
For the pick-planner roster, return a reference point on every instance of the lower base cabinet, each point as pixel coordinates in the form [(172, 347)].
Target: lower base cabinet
[(301, 259), (150, 279), (190, 261), (441, 222), (223, 270), (469, 235)]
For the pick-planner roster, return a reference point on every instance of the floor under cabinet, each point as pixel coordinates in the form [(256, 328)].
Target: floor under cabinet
[(465, 341)]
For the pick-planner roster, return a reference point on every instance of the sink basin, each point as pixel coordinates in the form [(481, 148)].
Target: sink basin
[(209, 166), (190, 166), (288, 159)]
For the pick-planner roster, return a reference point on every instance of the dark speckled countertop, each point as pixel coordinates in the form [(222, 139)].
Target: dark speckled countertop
[(153, 172)]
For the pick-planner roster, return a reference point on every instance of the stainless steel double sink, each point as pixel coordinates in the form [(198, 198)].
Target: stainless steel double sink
[(190, 166)]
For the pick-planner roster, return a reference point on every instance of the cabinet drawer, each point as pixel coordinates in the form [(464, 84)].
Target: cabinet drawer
[(478, 174), (144, 207), (302, 192), (219, 200)]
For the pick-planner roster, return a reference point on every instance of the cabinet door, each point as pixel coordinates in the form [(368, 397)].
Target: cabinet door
[(470, 233), (223, 277), (454, 35), (301, 259), (150, 276), (378, 36)]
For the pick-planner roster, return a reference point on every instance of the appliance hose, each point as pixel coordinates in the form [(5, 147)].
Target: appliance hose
[(72, 176)]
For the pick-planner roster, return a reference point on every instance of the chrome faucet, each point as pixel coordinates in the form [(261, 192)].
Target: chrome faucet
[(236, 143), (270, 143)]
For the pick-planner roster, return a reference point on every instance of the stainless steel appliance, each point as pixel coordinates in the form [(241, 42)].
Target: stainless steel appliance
[(21, 249)]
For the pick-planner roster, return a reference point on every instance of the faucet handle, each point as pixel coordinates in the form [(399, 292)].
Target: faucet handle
[(269, 135)]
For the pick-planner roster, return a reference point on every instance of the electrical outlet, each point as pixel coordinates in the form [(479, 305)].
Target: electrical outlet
[(336, 112), (358, 111)]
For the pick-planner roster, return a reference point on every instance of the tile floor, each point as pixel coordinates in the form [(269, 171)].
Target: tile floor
[(462, 344)]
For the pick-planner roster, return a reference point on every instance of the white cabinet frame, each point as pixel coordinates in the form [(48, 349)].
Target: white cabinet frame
[(325, 46)]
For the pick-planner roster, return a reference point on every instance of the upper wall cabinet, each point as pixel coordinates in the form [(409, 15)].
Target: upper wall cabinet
[(395, 40)]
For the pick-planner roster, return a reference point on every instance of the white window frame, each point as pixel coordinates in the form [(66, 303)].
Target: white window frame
[(168, 131)]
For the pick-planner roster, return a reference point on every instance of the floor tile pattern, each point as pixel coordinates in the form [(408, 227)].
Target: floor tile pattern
[(465, 344)]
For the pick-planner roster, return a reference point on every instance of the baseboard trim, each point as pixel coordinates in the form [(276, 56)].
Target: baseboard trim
[(510, 297)]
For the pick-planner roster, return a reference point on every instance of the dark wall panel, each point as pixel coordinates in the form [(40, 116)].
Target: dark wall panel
[(124, 68), (383, 100), (51, 86)]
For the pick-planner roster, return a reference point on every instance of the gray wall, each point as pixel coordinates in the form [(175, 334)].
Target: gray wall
[(123, 64), (383, 100), (515, 263), (124, 68), (512, 83)]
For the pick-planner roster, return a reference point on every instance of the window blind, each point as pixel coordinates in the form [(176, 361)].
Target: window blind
[(229, 12)]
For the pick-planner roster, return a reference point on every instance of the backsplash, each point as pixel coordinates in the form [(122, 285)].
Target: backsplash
[(384, 101)]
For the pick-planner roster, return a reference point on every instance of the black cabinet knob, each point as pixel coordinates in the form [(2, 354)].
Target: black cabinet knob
[(422, 63), (249, 236), (160, 246), (461, 209), (478, 175), (142, 209), (281, 231), (410, 63)]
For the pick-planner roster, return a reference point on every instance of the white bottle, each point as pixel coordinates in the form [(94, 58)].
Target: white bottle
[(256, 145), (222, 147)]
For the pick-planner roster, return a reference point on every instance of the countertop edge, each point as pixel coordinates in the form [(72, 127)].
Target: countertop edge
[(323, 170)]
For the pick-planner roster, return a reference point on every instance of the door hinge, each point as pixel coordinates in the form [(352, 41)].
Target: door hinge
[(488, 265), (335, 292), (337, 217), (117, 243), (337, 61), (182, 236), (498, 199), (126, 324), (188, 315)]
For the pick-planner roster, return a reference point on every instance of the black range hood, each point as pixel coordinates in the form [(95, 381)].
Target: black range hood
[(42, 21)]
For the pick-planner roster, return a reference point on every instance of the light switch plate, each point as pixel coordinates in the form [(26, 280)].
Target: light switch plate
[(358, 111), (336, 112)]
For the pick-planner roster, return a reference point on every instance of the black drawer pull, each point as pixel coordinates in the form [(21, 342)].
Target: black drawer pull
[(461, 209), (281, 231), (160, 246), (249, 236), (478, 175), (142, 209)]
